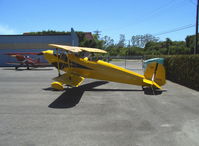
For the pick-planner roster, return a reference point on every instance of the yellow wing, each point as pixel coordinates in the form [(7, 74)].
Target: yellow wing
[(94, 50), (67, 48), (77, 49)]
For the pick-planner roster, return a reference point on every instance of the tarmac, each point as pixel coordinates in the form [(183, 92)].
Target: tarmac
[(98, 113)]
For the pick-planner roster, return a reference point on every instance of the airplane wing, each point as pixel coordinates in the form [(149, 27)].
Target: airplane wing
[(67, 48), (94, 50), (78, 49)]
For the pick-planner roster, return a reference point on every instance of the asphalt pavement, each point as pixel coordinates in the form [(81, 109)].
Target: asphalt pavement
[(98, 113)]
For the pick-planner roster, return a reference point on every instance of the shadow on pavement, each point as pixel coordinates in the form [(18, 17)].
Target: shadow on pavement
[(72, 96), (150, 91)]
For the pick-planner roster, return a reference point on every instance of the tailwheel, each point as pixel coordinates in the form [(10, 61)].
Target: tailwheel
[(57, 86), (150, 90)]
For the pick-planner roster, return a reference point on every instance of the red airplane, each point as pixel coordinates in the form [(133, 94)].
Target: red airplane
[(25, 60)]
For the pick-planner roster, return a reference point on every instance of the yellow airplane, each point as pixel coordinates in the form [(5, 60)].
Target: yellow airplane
[(75, 62)]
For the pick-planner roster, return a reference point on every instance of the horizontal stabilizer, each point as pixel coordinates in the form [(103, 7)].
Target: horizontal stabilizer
[(152, 83)]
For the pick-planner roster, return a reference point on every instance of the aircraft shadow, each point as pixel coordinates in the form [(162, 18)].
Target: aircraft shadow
[(72, 96), (150, 91), (130, 90)]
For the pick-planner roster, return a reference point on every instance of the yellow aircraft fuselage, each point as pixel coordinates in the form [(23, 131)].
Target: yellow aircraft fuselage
[(93, 69)]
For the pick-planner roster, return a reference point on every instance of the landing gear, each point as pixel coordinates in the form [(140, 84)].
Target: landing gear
[(57, 86), (150, 90), (28, 68), (16, 67)]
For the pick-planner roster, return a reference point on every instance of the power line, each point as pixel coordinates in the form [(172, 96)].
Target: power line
[(149, 15), (174, 30), (155, 12), (162, 7)]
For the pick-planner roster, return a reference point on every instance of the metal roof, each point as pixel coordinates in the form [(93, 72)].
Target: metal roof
[(37, 41), (34, 38), (32, 42)]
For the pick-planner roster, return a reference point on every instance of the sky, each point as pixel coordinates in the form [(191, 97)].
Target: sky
[(110, 17)]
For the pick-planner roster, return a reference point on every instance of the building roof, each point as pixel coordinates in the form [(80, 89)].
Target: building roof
[(32, 41), (29, 41), (88, 35)]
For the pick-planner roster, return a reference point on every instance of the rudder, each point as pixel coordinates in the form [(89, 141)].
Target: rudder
[(156, 73)]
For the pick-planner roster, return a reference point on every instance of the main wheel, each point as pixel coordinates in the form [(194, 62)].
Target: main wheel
[(57, 86)]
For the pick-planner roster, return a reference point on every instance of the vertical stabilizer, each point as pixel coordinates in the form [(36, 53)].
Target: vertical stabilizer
[(155, 72)]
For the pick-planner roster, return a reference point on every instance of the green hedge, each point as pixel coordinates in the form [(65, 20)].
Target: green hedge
[(182, 69)]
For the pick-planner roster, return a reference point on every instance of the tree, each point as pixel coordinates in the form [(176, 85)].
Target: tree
[(46, 32), (107, 42), (141, 40), (153, 48), (121, 43), (190, 42), (168, 43), (166, 47), (97, 34)]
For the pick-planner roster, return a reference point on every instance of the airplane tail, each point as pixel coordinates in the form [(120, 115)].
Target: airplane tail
[(154, 72)]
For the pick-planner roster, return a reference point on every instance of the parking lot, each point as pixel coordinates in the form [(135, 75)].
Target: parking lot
[(96, 113)]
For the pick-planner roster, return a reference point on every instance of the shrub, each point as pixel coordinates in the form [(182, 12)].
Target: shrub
[(182, 69)]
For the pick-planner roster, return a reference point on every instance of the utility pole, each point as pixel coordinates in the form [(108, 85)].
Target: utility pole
[(196, 45), (97, 32)]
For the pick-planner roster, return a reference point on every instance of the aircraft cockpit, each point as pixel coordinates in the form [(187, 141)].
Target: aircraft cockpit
[(62, 55)]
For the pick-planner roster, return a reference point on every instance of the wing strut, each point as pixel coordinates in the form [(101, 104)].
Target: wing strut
[(58, 66)]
